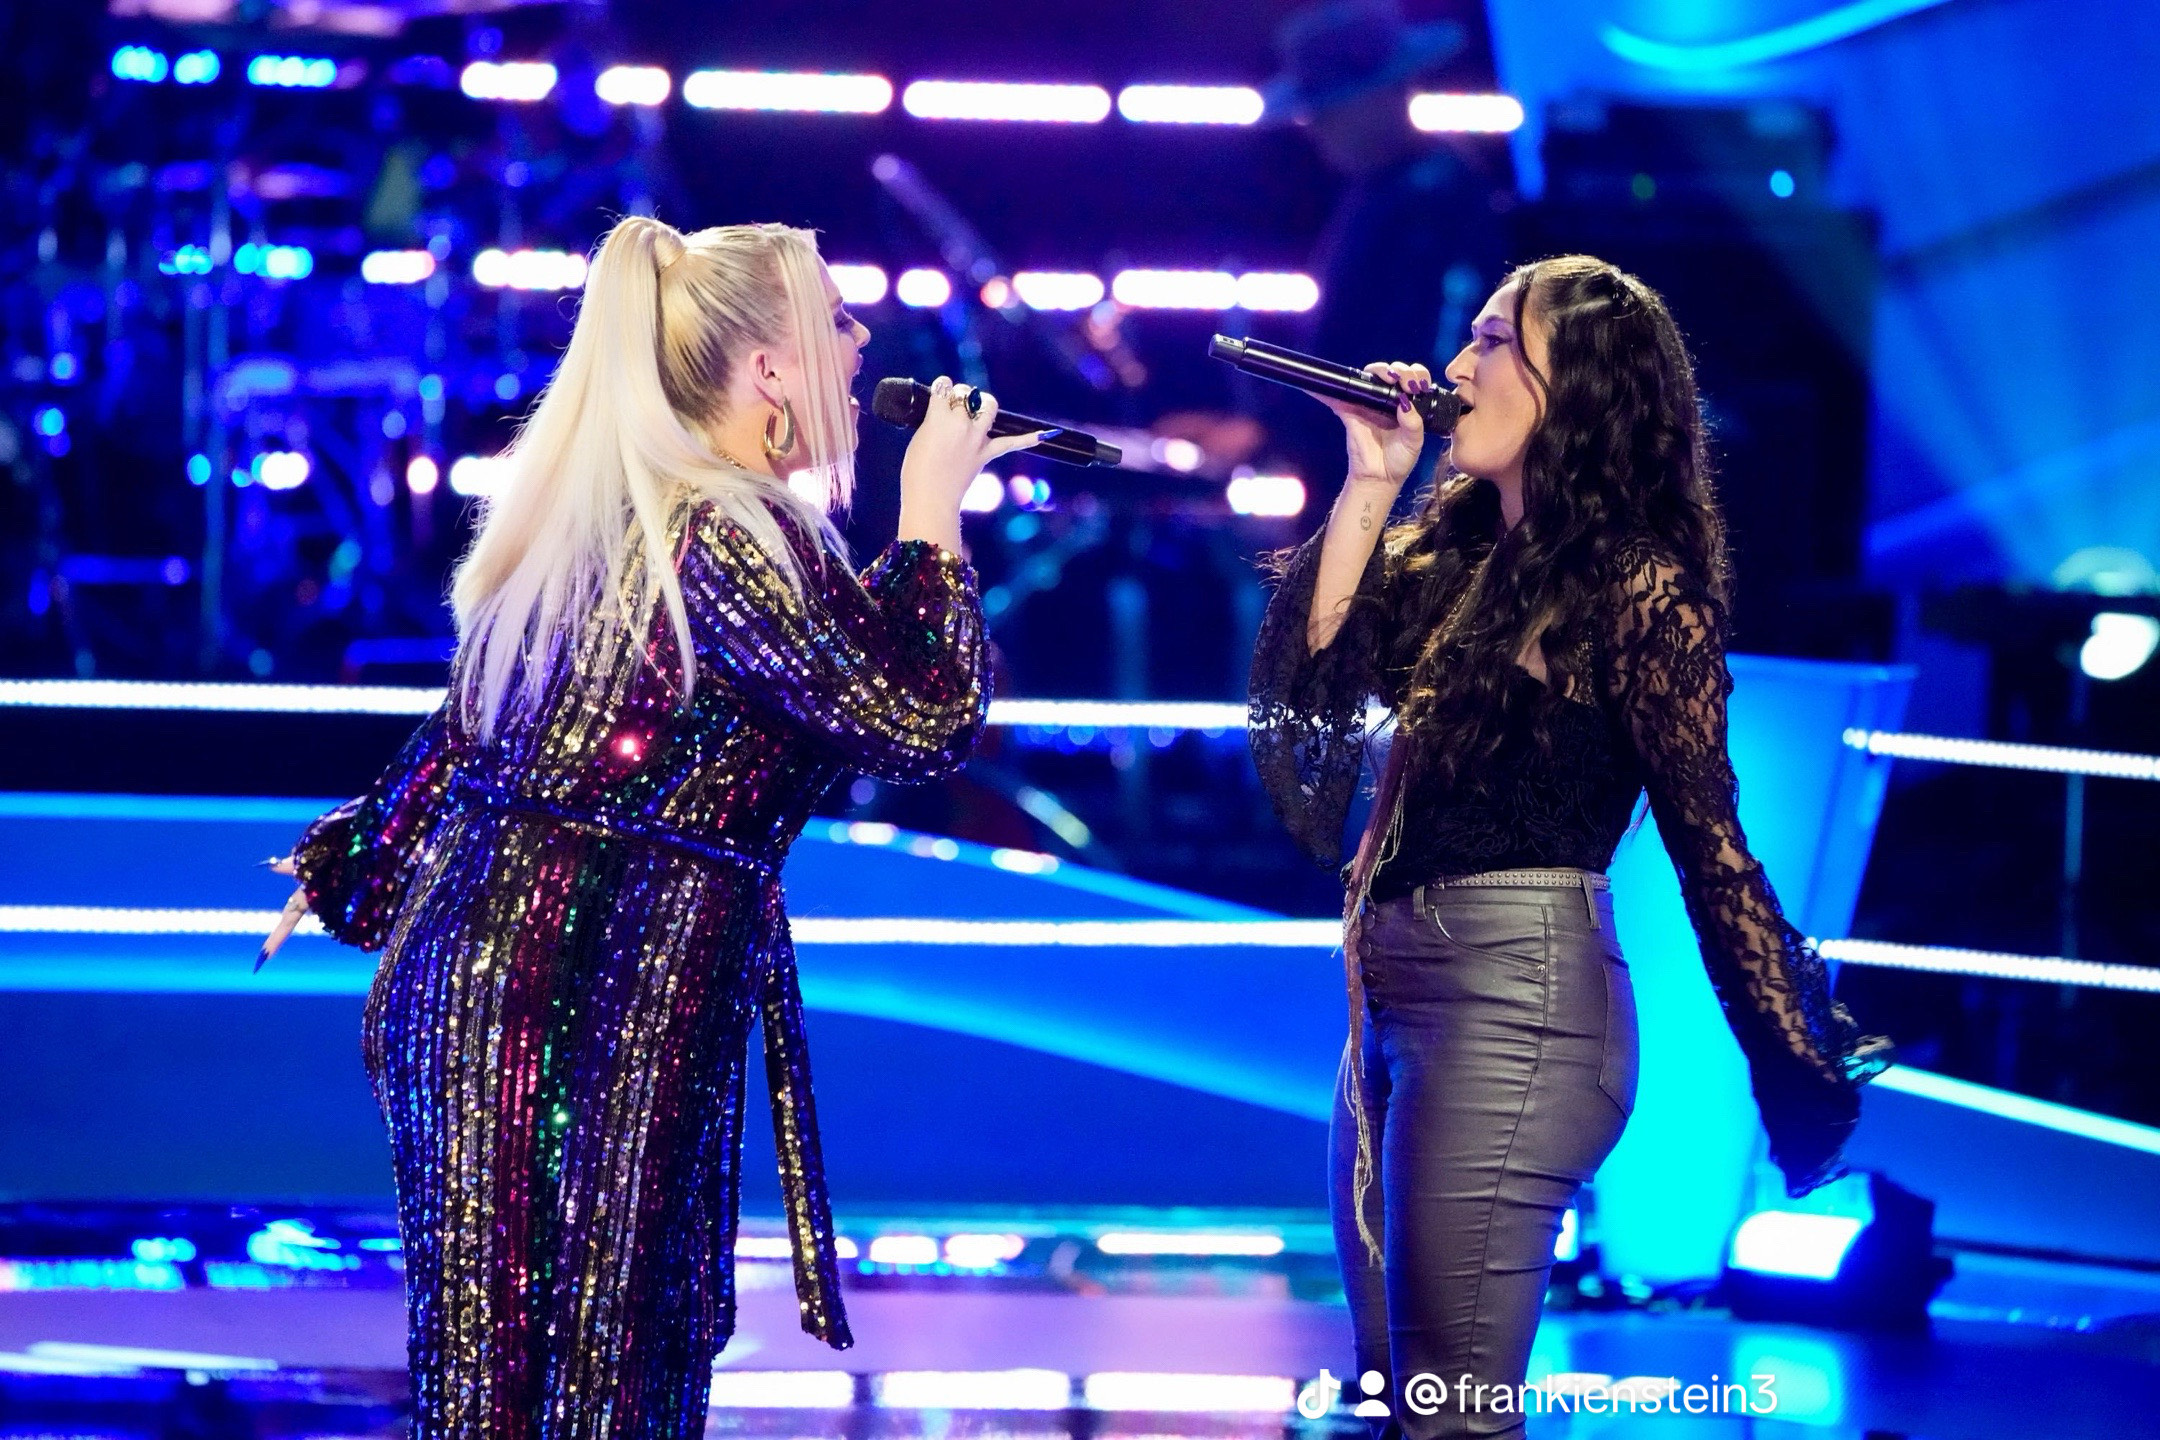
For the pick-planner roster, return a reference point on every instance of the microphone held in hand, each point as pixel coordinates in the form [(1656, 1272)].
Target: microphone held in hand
[(903, 402), (1440, 408)]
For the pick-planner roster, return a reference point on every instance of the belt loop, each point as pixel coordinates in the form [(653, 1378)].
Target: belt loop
[(1590, 901), (1417, 904)]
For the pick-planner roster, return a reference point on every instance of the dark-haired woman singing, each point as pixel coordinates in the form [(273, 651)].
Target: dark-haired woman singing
[(1548, 629)]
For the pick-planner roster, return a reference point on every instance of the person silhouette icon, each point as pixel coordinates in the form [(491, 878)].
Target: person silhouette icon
[(1372, 1407)]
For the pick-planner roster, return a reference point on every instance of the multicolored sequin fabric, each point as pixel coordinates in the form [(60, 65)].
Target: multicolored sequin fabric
[(580, 922)]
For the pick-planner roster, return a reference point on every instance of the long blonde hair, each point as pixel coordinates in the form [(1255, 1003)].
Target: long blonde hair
[(616, 441)]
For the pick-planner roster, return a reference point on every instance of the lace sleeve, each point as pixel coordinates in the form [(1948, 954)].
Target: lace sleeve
[(1306, 709), (1806, 1057)]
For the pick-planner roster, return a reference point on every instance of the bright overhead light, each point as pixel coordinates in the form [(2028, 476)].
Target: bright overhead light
[(1190, 104), (1264, 290), (787, 90), (529, 269), (1175, 289), (396, 267), (922, 289), (859, 284), (982, 100), (633, 85), (1466, 114), (508, 80), (1057, 289), (2119, 645), (1269, 495)]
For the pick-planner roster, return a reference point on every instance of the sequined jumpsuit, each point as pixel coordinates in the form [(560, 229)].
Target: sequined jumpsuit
[(580, 921)]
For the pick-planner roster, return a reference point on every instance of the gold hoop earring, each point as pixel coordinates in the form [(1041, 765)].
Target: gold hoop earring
[(785, 446)]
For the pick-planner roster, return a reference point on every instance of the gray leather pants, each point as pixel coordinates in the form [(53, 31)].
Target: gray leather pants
[(1500, 1067)]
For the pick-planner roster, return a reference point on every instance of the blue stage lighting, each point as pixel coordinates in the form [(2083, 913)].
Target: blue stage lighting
[(197, 67), (2119, 645), (292, 72), (64, 367), (198, 469), (187, 260), (274, 262), (140, 63), (1781, 184), (1857, 1254), (50, 420)]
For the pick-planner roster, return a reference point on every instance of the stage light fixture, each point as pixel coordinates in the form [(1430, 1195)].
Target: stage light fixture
[(988, 100), (787, 90), (984, 494), (529, 269), (923, 289), (859, 284), (141, 64), (1274, 496), (2119, 645), (1442, 114), (516, 80), (1057, 289), (1262, 290), (1175, 289), (292, 72), (478, 476), (1190, 104), (197, 67), (396, 267), (633, 85), (280, 469), (1858, 1253)]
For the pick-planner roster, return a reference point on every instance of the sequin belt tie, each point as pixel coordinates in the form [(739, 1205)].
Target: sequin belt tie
[(472, 791)]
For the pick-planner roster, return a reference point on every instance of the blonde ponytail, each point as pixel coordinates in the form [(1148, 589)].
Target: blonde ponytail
[(615, 444)]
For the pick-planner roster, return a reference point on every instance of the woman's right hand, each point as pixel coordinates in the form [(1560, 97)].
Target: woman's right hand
[(1385, 450), (949, 450)]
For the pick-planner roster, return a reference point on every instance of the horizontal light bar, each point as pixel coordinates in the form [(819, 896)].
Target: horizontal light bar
[(476, 475), (292, 72), (147, 1358), (972, 1390), (787, 90), (396, 267), (1265, 290), (2040, 969), (1243, 1394), (1794, 1243), (633, 85), (1057, 289), (1466, 114), (1119, 714), (508, 80), (2001, 755), (1175, 289), (1267, 495), (782, 1390), (808, 929), (1151, 1242), (984, 100), (923, 289), (140, 63), (859, 284), (529, 269), (2024, 1109), (1190, 104)]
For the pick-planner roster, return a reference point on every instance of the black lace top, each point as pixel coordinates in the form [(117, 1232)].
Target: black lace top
[(1640, 705)]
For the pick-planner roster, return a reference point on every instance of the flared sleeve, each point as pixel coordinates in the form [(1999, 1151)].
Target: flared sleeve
[(1806, 1056), (1306, 708), (357, 861), (889, 668)]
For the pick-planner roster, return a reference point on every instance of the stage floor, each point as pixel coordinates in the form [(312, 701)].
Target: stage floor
[(2016, 1348)]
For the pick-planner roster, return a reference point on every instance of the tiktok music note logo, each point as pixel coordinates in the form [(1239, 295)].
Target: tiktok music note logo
[(1318, 1396)]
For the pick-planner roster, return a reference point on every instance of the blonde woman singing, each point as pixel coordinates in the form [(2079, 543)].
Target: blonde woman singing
[(573, 868)]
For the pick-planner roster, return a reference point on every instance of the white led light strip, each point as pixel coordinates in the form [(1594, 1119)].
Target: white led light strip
[(2040, 969), (2000, 755), (1090, 934)]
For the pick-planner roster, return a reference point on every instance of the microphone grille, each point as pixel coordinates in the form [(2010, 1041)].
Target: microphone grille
[(900, 401)]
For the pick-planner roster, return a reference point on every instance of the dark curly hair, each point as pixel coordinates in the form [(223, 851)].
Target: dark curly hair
[(1617, 468)]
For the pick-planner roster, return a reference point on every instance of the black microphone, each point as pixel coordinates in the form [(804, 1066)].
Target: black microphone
[(903, 402), (1441, 408)]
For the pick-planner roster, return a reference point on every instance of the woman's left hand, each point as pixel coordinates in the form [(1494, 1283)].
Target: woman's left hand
[(296, 908)]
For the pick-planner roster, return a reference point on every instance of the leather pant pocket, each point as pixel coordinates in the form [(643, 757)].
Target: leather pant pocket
[(1618, 1075)]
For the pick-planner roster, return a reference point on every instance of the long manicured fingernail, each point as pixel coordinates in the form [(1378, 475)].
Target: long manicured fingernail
[(262, 956), (1052, 432), (266, 864)]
